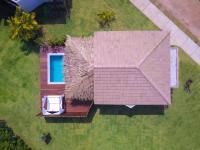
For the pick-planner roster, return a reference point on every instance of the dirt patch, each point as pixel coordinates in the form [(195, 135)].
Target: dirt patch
[(186, 12)]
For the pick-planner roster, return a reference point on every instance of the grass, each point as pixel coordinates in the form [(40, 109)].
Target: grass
[(83, 20), (19, 95)]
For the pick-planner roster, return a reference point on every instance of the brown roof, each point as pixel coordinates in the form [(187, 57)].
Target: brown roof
[(124, 48), (119, 68), (79, 69), (132, 67)]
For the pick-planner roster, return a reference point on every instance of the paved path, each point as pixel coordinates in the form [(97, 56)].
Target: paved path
[(178, 37)]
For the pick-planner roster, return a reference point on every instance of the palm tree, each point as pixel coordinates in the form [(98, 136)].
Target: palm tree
[(105, 18), (23, 25)]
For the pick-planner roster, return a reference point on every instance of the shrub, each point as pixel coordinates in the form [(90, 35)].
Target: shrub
[(23, 26), (187, 85), (105, 18), (10, 141), (46, 137), (57, 42)]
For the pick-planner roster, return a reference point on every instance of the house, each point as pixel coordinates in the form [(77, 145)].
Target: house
[(116, 68), (139, 71)]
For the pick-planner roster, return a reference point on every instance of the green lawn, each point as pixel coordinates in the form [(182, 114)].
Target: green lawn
[(83, 20), (177, 129)]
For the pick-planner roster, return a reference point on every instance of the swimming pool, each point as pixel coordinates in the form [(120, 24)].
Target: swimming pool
[(56, 68)]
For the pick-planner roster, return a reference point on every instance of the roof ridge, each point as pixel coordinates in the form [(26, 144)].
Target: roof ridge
[(154, 86), (142, 61)]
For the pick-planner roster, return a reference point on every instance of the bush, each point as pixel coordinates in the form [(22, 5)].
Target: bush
[(57, 42), (10, 141), (46, 137), (105, 18), (23, 26)]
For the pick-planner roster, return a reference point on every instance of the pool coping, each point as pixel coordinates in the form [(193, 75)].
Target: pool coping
[(48, 67)]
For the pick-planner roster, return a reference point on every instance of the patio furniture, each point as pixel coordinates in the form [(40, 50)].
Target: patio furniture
[(53, 105)]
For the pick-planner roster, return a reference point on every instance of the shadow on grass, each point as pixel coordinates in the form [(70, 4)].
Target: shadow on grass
[(2, 123), (73, 120), (137, 110), (6, 11), (111, 110), (30, 47), (56, 12)]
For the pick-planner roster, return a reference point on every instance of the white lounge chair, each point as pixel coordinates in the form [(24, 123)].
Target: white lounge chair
[(53, 105)]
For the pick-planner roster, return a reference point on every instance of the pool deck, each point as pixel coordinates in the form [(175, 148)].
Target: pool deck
[(72, 108)]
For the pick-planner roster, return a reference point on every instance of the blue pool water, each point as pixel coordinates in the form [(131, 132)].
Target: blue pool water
[(56, 68)]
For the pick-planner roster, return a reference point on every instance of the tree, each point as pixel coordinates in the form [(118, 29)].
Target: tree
[(105, 18), (9, 140), (23, 25)]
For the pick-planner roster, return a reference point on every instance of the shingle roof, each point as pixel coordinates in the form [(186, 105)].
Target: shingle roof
[(132, 67), (124, 48), (119, 68)]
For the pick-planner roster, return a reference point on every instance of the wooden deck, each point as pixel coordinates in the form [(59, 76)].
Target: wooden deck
[(72, 108)]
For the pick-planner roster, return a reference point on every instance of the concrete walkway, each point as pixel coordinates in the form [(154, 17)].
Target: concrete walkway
[(178, 37)]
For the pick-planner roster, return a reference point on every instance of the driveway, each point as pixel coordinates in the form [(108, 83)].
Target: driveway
[(186, 11)]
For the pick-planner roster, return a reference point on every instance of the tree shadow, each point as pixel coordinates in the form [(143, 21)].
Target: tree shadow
[(30, 47), (172, 94), (2, 123), (56, 12), (6, 11), (137, 110), (87, 119)]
